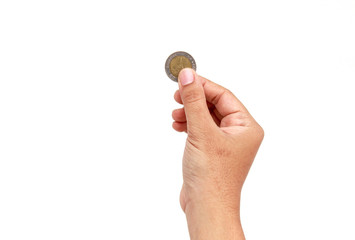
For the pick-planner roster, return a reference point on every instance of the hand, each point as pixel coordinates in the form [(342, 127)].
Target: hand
[(222, 141)]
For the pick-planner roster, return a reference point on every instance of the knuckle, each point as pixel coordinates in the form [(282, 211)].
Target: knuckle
[(259, 133), (229, 92)]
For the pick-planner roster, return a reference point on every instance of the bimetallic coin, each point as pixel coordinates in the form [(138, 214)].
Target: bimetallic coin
[(178, 61)]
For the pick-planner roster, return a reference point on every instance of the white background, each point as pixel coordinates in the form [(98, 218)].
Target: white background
[(86, 145)]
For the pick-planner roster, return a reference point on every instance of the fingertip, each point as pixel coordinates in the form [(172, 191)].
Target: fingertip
[(177, 97), (179, 115), (179, 127)]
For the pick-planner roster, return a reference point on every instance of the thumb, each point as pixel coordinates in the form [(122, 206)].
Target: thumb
[(193, 97)]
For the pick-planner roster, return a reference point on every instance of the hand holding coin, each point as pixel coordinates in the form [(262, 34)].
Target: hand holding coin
[(222, 141)]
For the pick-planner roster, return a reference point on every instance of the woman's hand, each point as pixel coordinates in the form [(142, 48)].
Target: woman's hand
[(222, 141)]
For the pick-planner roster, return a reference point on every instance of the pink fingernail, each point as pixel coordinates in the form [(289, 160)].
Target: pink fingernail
[(186, 76)]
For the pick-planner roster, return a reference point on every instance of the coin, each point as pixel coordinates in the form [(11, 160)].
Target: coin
[(178, 61)]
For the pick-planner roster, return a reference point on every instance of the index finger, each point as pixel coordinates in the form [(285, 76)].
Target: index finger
[(223, 99)]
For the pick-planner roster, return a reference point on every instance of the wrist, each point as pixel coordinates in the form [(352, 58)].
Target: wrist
[(212, 219)]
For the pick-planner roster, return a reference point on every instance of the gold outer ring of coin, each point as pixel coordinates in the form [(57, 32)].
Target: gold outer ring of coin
[(178, 61)]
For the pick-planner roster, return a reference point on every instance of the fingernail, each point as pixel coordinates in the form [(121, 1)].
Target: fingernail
[(186, 76)]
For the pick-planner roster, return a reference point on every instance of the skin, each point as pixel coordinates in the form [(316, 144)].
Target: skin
[(222, 141)]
